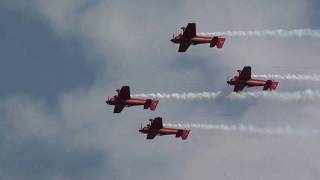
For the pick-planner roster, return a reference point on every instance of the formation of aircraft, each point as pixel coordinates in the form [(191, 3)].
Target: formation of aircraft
[(155, 127), (244, 80), (189, 36), (123, 99), (185, 39)]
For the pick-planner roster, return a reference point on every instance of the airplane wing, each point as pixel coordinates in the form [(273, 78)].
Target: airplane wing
[(118, 108), (184, 46), (238, 87), (245, 74), (190, 30), (156, 123), (151, 135), (124, 93)]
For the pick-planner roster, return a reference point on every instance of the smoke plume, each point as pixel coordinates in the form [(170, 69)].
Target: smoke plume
[(300, 77), (280, 33), (182, 96), (305, 95), (285, 131)]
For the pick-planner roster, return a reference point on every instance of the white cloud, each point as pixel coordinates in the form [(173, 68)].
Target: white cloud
[(133, 38)]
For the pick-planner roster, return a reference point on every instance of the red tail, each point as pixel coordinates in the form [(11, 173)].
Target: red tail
[(185, 134), (274, 85), (153, 105), (220, 42), (270, 85)]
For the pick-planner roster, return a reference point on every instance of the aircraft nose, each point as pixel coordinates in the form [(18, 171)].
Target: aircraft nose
[(174, 40)]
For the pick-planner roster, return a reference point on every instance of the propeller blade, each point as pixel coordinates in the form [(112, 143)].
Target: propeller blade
[(228, 79)]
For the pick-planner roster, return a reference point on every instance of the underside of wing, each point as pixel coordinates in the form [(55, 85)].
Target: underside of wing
[(118, 108), (238, 87), (151, 135), (184, 46)]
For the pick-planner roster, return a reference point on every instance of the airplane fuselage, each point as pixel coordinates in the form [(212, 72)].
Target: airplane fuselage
[(248, 83), (127, 102), (161, 132), (194, 40)]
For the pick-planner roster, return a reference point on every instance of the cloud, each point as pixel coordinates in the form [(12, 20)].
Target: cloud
[(132, 43)]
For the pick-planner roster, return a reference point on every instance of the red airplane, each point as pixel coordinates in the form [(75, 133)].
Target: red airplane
[(156, 128), (123, 99), (244, 79), (189, 37)]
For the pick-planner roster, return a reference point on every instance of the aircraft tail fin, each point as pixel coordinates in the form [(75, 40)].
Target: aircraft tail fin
[(220, 42), (152, 104), (274, 85), (271, 85), (217, 41), (183, 133)]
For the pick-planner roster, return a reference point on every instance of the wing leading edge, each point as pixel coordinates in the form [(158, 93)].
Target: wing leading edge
[(151, 135)]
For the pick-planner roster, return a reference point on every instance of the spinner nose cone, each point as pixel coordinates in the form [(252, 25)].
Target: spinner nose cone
[(228, 82), (174, 40), (108, 102)]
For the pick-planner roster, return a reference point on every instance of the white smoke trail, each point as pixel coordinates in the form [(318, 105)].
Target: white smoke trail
[(182, 96), (286, 131), (306, 95), (301, 77), (312, 33)]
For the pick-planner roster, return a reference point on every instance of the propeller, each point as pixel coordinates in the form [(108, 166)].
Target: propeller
[(228, 79), (108, 100)]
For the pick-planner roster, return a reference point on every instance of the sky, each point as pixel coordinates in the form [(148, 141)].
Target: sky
[(61, 59)]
